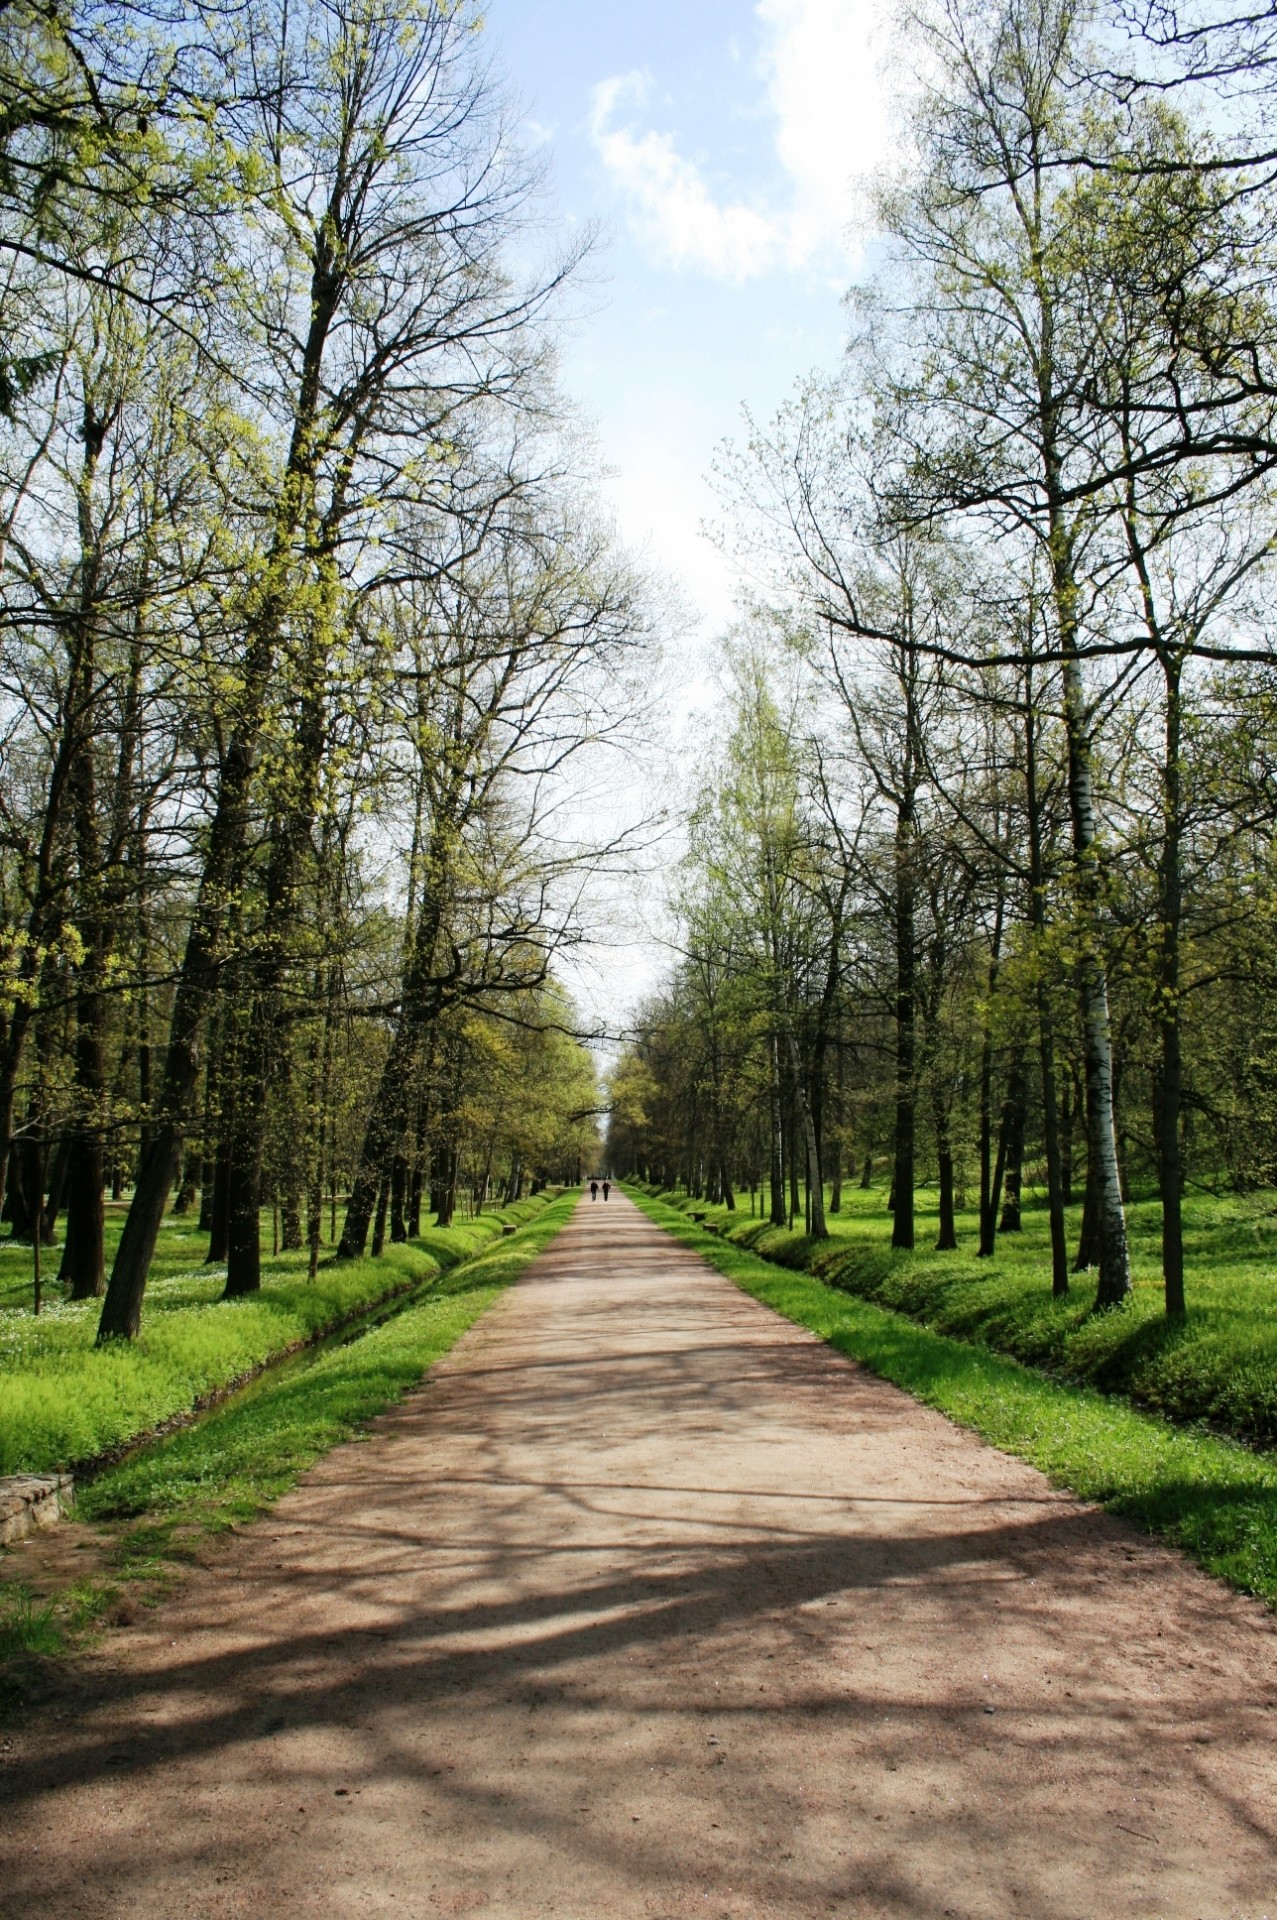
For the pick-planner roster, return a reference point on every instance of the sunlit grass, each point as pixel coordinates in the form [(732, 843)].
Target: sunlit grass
[(63, 1401), (27, 1626)]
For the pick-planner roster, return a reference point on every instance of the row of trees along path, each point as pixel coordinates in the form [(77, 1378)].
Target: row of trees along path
[(980, 869), (306, 628)]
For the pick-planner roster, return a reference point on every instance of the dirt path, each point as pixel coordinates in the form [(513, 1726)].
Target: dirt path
[(648, 1604)]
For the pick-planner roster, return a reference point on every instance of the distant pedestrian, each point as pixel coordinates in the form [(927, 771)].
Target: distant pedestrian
[(594, 1190), (607, 1187)]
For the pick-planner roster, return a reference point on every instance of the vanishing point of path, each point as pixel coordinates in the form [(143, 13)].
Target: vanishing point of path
[(648, 1604)]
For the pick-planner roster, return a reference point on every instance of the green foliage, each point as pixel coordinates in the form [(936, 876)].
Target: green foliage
[(1211, 1496), (65, 1401), (27, 1626)]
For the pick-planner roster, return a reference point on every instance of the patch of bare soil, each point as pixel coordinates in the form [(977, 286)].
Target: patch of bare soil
[(55, 1558), (647, 1604)]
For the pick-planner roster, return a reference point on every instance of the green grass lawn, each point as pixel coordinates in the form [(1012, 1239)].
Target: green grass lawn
[(1209, 1495), (1219, 1368), (64, 1402), (153, 1510)]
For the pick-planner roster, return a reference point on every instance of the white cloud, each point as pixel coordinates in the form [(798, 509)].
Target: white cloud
[(671, 206), (827, 102), (661, 499), (828, 93)]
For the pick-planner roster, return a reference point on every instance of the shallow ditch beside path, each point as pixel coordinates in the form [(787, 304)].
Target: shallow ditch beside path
[(162, 1509)]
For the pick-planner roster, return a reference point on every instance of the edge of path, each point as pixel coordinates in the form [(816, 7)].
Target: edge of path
[(140, 1523), (1212, 1497)]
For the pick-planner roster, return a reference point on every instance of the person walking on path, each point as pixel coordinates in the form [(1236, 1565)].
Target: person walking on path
[(607, 1188), (594, 1189)]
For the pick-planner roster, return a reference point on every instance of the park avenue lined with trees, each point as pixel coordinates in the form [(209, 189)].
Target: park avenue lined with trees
[(306, 626), (980, 880), (800, 1445)]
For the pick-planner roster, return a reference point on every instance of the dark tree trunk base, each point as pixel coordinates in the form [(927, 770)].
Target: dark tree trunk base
[(219, 1227), (947, 1239), (83, 1271)]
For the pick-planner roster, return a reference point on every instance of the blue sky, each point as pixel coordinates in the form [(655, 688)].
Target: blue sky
[(715, 145)]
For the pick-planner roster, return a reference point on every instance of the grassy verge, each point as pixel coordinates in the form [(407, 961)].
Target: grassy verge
[(1209, 1495), (1218, 1368), (156, 1508), (63, 1401)]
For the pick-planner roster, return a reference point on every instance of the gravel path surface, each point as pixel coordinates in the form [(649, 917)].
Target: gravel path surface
[(649, 1604)]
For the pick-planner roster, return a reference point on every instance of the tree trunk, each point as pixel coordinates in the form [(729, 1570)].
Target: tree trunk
[(247, 1071), (243, 1214), (220, 1215), (1010, 1221), (37, 1224), (212, 1119), (816, 1226), (387, 1124), (248, 1065), (379, 1225), (989, 1212), (83, 1256), (422, 1003), (777, 1138), (19, 1202), (398, 1189), (1055, 1179), (1088, 1247), (947, 1238), (290, 1220), (226, 845), (834, 1150), (56, 1189), (161, 1161), (791, 1158), (448, 1188), (70, 768), (1114, 1279), (144, 1077), (1051, 1147), (1169, 1089), (83, 1271), (413, 1222), (314, 1223), (207, 1178), (189, 1187), (902, 1219), (988, 1202)]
